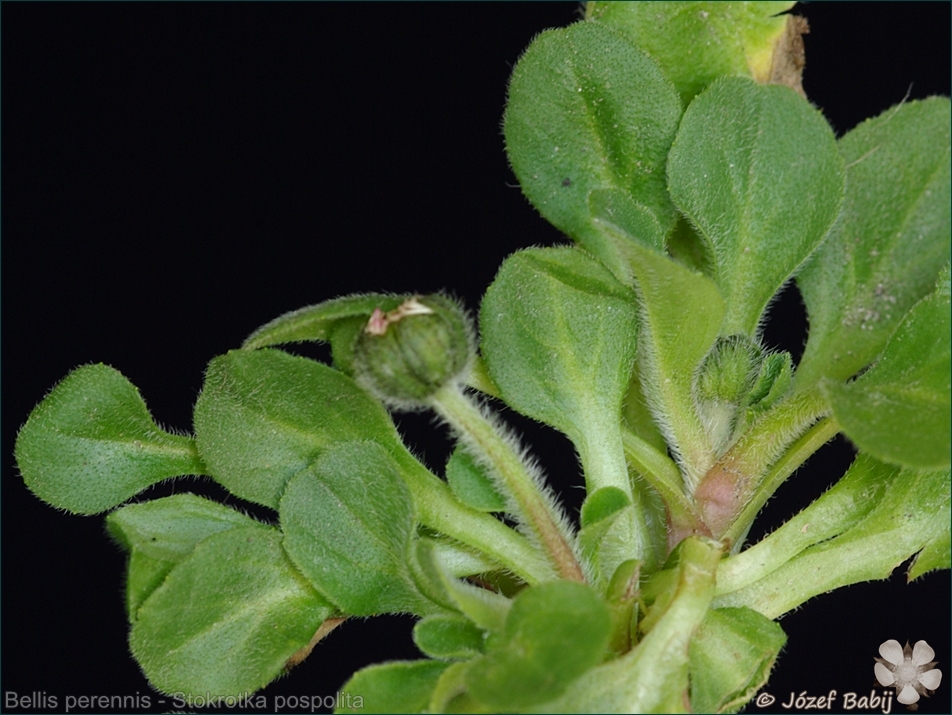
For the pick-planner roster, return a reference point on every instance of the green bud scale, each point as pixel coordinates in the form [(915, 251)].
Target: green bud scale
[(405, 355)]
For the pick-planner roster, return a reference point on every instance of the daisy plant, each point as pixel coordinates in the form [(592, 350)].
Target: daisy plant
[(673, 145)]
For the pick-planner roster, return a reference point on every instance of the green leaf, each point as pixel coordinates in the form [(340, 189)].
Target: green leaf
[(936, 554), (486, 609), (909, 512), (891, 239), (265, 415), (316, 323), (448, 637), (756, 170), (731, 654), (144, 574), (227, 618), (652, 676), (697, 42), (569, 93), (169, 528), (529, 663), (605, 516), (900, 410), (681, 316), (398, 687), (160, 533), (558, 336), (602, 504), (471, 484), (91, 444), (348, 521)]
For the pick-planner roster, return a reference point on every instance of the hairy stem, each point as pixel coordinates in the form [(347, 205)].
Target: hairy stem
[(441, 510), (739, 475), (535, 509)]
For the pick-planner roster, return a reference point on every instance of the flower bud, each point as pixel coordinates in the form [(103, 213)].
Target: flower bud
[(722, 385), (730, 370), (405, 355)]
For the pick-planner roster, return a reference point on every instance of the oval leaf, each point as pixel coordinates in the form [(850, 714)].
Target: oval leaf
[(530, 663), (448, 637), (348, 521), (558, 336), (264, 415), (887, 247), (471, 484), (569, 94), (91, 444), (227, 618), (756, 170), (900, 410)]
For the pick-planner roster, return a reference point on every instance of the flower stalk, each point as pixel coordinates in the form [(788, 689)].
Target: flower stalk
[(531, 504)]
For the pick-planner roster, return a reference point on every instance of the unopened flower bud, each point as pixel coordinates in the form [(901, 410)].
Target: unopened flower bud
[(722, 385), (405, 355)]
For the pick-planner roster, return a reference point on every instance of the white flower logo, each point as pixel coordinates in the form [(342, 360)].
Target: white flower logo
[(910, 670)]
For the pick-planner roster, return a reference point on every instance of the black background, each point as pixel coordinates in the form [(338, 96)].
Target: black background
[(175, 175)]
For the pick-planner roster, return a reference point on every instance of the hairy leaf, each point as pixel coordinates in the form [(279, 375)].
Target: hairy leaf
[(398, 687), (558, 336), (756, 170), (160, 533), (900, 410), (348, 521), (570, 94), (91, 444), (697, 42), (227, 618), (264, 415), (529, 662), (889, 243)]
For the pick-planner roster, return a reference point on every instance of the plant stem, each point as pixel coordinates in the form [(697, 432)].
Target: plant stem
[(440, 510), (801, 450), (739, 475), (537, 511)]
